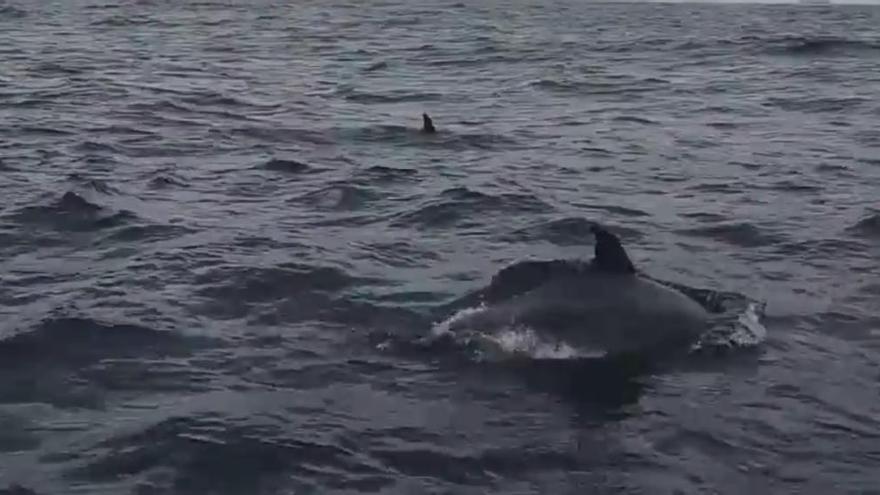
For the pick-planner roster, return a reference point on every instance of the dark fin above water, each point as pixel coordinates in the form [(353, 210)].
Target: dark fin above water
[(427, 124), (609, 253)]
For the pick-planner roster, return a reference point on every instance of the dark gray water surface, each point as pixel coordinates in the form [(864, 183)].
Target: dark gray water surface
[(215, 216)]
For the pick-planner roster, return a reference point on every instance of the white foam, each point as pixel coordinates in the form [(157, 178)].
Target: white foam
[(746, 331), (749, 331), (525, 341), (509, 341), (444, 327)]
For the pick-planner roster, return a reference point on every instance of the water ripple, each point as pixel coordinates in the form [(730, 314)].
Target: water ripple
[(456, 207)]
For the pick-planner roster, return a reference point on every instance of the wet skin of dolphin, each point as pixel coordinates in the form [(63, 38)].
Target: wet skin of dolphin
[(602, 306)]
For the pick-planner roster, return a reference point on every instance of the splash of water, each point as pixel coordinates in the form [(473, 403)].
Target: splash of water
[(444, 327), (743, 331), (525, 341), (513, 341)]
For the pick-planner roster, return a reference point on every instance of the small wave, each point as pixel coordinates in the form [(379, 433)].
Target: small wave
[(100, 186), (96, 185), (205, 446), (96, 147), (481, 58), (635, 119), (375, 66), (820, 249), (793, 186), (160, 106), (121, 130), (12, 12), (256, 284), (383, 174), (221, 100), (620, 210), (193, 112), (394, 96), (833, 168), (397, 254), (16, 489), (455, 206), (597, 151), (485, 141), (54, 69), (729, 124), (445, 138), (737, 234), (805, 46), (430, 460), (287, 166), (869, 226), (343, 220), (704, 217), (73, 212), (104, 7), (380, 133), (279, 134), (74, 340), (115, 219), (595, 87), (126, 21), (44, 131), (149, 232), (718, 187), (786, 44), (340, 196), (166, 181), (74, 203), (831, 105), (872, 289)]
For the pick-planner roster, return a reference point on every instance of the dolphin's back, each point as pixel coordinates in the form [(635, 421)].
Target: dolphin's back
[(606, 312), (616, 313)]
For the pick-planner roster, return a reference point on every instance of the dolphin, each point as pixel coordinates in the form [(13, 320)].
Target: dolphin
[(604, 305)]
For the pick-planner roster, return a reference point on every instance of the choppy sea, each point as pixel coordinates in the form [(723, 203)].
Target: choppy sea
[(225, 245)]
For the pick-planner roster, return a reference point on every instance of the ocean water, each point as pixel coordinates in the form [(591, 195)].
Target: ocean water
[(224, 243)]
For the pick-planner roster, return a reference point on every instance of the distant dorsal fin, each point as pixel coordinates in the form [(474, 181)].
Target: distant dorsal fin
[(609, 253), (427, 124)]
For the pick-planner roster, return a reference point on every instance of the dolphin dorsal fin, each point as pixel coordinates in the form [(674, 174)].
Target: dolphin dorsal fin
[(609, 253), (427, 124)]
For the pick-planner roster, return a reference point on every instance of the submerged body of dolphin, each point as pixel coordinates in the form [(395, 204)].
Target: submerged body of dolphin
[(603, 306)]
